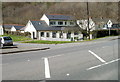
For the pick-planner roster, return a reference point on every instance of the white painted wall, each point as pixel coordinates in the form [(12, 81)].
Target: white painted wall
[(30, 28), (44, 17), (57, 36), (13, 29), (67, 23), (1, 30)]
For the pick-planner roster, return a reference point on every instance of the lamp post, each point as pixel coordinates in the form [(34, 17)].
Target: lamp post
[(88, 29)]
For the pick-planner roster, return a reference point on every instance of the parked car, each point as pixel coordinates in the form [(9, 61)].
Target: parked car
[(6, 41)]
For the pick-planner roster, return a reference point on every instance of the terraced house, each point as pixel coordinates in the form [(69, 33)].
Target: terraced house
[(54, 27)]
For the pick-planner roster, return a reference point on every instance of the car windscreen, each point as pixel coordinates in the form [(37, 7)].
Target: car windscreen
[(7, 38)]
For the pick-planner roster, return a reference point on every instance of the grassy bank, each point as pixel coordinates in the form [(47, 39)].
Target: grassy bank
[(17, 38), (47, 42)]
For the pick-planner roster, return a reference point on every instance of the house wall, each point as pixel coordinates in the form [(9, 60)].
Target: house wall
[(65, 23), (45, 19), (13, 29), (64, 38), (1, 30), (30, 28)]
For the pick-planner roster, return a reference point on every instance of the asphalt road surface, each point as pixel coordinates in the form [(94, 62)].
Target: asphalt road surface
[(94, 60)]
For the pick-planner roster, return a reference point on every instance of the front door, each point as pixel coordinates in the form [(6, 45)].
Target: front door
[(33, 35)]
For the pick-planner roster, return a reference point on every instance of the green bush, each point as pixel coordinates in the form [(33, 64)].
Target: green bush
[(18, 33), (103, 33)]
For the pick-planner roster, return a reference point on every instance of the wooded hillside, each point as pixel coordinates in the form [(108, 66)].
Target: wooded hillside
[(20, 13)]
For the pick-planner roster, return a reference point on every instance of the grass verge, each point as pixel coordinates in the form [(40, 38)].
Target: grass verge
[(47, 42)]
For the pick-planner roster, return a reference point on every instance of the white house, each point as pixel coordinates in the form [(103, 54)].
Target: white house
[(12, 27), (54, 28), (15, 28), (1, 30), (59, 20)]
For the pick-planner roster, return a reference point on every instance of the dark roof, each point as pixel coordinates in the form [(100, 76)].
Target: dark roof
[(105, 20), (59, 17), (42, 26), (18, 27), (9, 26)]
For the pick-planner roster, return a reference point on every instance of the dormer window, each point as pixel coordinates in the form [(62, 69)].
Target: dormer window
[(60, 23), (71, 23), (52, 22), (65, 23)]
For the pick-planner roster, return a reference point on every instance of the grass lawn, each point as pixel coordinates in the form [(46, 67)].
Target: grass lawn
[(47, 42), (17, 38)]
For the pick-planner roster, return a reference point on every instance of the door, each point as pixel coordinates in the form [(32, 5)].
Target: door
[(33, 35)]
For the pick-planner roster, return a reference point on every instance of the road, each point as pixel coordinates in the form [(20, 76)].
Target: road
[(94, 60)]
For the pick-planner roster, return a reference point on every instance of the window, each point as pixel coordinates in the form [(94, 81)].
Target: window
[(54, 34), (47, 34), (65, 23), (61, 35), (52, 23), (60, 23), (42, 34), (75, 33), (7, 38), (68, 35), (71, 23)]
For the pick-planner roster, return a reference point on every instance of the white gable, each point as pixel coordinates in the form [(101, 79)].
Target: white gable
[(44, 17), (30, 27), (13, 28), (1, 30)]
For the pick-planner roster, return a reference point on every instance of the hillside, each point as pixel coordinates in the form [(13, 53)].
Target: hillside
[(20, 13)]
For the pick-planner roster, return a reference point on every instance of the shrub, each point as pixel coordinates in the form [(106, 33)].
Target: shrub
[(103, 33), (26, 34)]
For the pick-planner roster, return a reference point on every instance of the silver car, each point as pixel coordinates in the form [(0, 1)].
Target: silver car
[(6, 41)]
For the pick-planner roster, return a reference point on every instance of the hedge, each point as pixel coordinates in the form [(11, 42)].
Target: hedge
[(103, 33), (18, 33)]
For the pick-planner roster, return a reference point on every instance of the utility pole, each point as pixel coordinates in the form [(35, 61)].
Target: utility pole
[(88, 29)]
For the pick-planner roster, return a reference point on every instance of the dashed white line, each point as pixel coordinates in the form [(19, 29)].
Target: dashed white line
[(47, 69), (103, 64), (97, 56)]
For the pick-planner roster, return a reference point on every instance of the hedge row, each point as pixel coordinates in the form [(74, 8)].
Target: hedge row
[(103, 33), (18, 33)]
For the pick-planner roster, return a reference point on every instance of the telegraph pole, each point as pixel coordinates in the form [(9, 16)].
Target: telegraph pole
[(88, 29)]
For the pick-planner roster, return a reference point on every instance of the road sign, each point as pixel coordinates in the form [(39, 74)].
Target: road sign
[(109, 23)]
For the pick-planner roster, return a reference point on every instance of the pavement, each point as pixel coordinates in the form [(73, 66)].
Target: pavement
[(22, 47), (93, 60)]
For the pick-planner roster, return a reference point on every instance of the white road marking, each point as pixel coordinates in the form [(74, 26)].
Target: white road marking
[(68, 74), (47, 69), (28, 60), (103, 64), (97, 56)]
